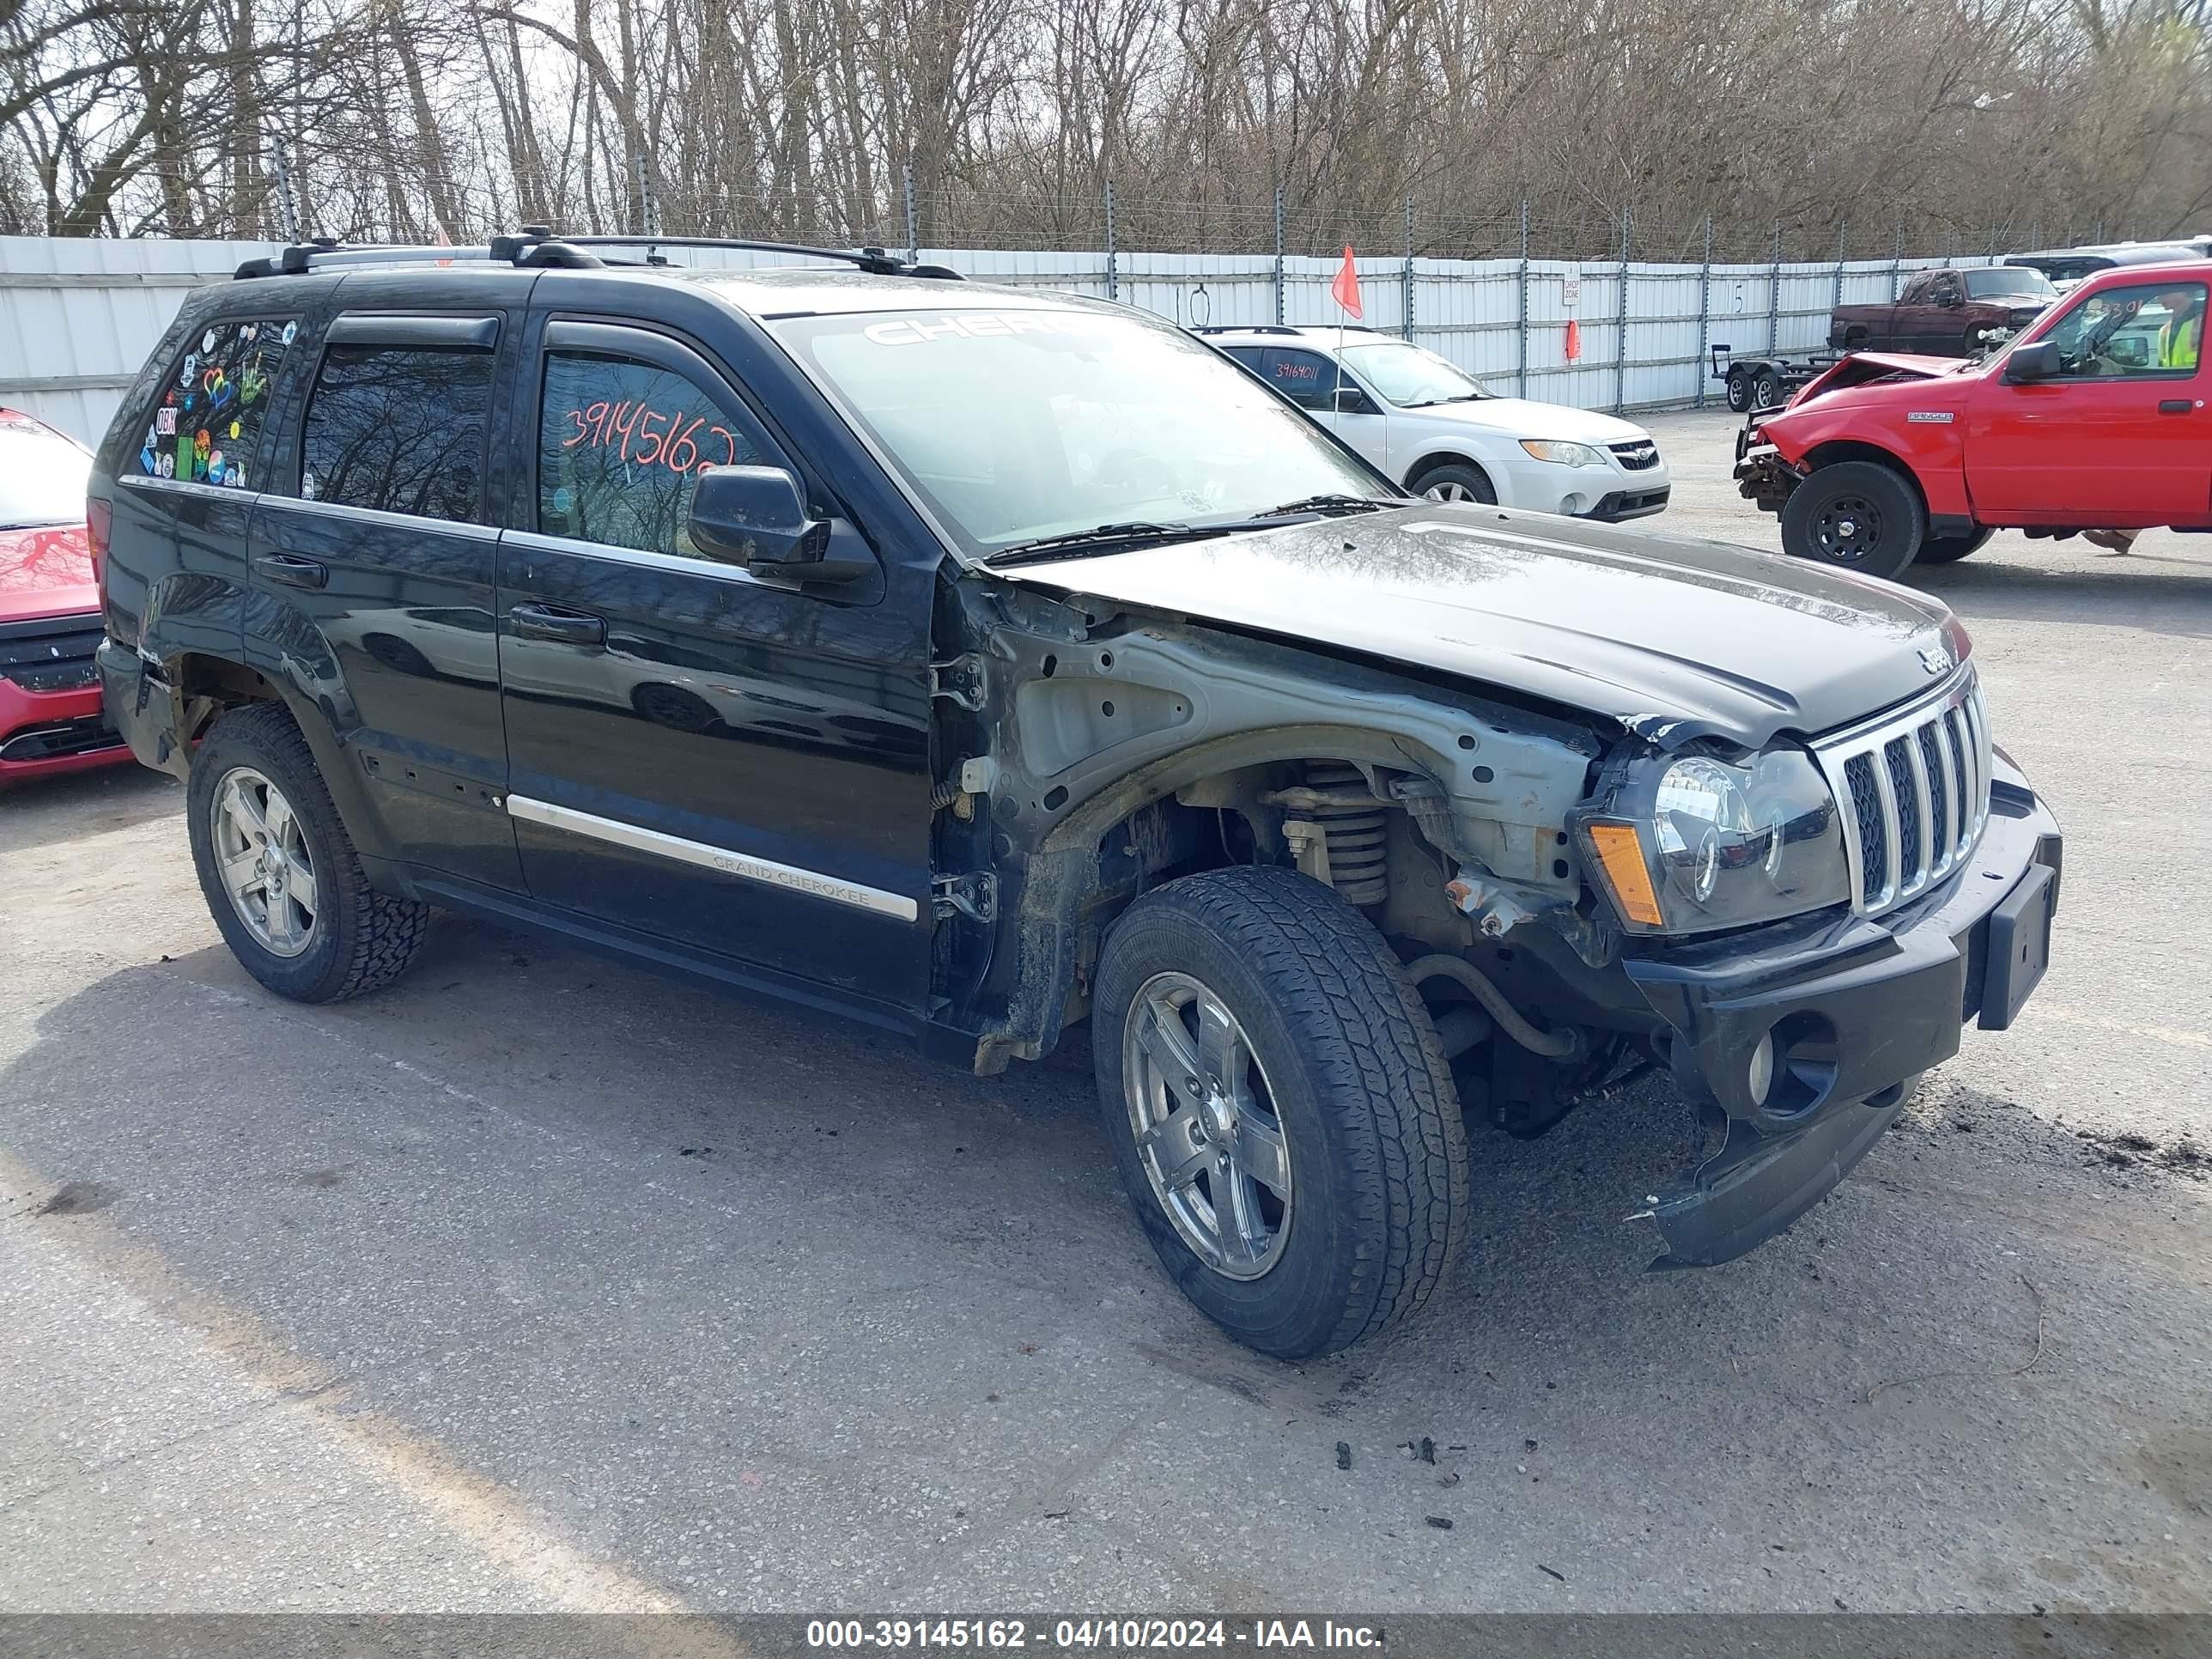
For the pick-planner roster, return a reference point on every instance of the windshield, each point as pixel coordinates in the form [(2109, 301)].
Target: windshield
[(2007, 282), (2071, 270), (1408, 376), (1020, 425), (42, 476)]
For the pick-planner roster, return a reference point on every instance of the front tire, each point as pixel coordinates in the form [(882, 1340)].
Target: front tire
[(1739, 390), (1948, 549), (1280, 1107), (280, 872), (1856, 515), (1457, 482)]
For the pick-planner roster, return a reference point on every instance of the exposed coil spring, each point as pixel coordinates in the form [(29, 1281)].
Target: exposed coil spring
[(1359, 836)]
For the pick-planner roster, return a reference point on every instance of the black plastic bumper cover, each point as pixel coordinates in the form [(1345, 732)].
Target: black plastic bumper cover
[(141, 706), (1894, 992)]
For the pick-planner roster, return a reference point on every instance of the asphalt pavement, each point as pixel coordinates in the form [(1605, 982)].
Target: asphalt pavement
[(542, 1283)]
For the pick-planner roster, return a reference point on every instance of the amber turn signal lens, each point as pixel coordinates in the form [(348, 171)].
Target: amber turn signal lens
[(1622, 855)]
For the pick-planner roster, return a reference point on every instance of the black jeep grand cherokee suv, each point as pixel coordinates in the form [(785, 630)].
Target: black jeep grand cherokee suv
[(976, 661)]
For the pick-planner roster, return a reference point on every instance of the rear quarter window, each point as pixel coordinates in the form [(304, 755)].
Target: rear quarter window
[(205, 425)]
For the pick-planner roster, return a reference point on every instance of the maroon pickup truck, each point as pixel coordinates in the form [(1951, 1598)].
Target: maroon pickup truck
[(1943, 314)]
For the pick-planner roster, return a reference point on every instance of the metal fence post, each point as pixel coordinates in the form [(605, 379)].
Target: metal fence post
[(1774, 294), (1843, 231), (1704, 313), (1620, 326), (1896, 265), (1520, 378), (287, 207), (1278, 254), (648, 208), (913, 222), (1112, 266), (1409, 268)]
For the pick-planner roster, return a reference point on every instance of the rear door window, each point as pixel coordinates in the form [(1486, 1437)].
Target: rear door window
[(1306, 378), (398, 429), (207, 423), (621, 444)]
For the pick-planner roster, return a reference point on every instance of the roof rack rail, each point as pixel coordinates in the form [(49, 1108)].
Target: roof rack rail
[(874, 260), (1245, 328), (536, 246)]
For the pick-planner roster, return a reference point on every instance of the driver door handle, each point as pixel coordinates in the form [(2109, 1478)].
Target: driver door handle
[(2175, 406), (545, 622)]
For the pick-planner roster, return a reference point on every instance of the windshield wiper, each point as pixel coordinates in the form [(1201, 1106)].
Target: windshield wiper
[(1328, 506), (1456, 397), (1105, 538)]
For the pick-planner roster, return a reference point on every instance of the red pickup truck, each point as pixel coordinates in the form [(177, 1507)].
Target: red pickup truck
[(2094, 418), (1946, 313)]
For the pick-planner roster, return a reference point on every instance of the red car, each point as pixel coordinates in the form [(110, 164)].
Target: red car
[(2094, 418), (50, 714)]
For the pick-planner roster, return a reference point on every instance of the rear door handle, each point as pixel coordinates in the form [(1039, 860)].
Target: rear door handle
[(545, 622), (293, 572), (2175, 406)]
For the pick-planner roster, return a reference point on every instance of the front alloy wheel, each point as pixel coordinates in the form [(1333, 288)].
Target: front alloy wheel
[(267, 868), (1280, 1110), (1205, 1127)]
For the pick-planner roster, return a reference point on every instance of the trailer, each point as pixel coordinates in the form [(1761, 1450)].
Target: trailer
[(1761, 382)]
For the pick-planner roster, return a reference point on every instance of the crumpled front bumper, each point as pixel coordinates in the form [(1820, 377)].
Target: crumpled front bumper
[(1858, 1009)]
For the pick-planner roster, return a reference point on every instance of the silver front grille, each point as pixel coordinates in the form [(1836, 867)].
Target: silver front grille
[(1635, 454), (1914, 788)]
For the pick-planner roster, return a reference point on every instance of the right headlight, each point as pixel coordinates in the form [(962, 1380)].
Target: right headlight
[(1561, 454), (1694, 843)]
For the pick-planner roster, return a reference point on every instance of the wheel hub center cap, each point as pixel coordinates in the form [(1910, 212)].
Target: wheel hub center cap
[(1848, 527), (1219, 1116)]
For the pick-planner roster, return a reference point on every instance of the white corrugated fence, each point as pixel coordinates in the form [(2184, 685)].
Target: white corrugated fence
[(78, 315)]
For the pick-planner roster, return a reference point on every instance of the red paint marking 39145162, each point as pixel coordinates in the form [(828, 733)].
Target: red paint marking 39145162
[(645, 436)]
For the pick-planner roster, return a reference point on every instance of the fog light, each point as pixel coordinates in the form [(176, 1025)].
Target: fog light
[(1760, 1076)]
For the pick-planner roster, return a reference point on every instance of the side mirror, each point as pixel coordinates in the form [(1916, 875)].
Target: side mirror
[(2039, 361), (755, 515), (1351, 400)]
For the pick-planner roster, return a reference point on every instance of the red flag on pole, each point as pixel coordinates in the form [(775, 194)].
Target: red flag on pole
[(1346, 289)]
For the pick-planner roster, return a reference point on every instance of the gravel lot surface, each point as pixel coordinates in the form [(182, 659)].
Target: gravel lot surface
[(541, 1283)]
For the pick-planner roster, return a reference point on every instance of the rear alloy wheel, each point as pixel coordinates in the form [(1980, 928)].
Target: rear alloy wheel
[(1947, 550), (279, 871), (1280, 1107), (1464, 484), (1765, 390), (1855, 515)]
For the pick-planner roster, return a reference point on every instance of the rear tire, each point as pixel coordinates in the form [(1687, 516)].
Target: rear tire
[(1321, 1056), (1457, 482), (303, 919), (1856, 515), (1948, 549), (1765, 389)]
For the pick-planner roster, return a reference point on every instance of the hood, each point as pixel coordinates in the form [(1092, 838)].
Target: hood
[(46, 571), (1524, 417), (1865, 367), (1673, 638)]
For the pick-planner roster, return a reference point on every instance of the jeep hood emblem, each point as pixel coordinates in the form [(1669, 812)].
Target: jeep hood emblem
[(1936, 658)]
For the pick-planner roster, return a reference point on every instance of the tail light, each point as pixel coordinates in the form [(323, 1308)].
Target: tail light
[(98, 519)]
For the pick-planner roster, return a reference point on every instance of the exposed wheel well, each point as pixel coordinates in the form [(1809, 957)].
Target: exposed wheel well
[(1829, 454), (208, 686)]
